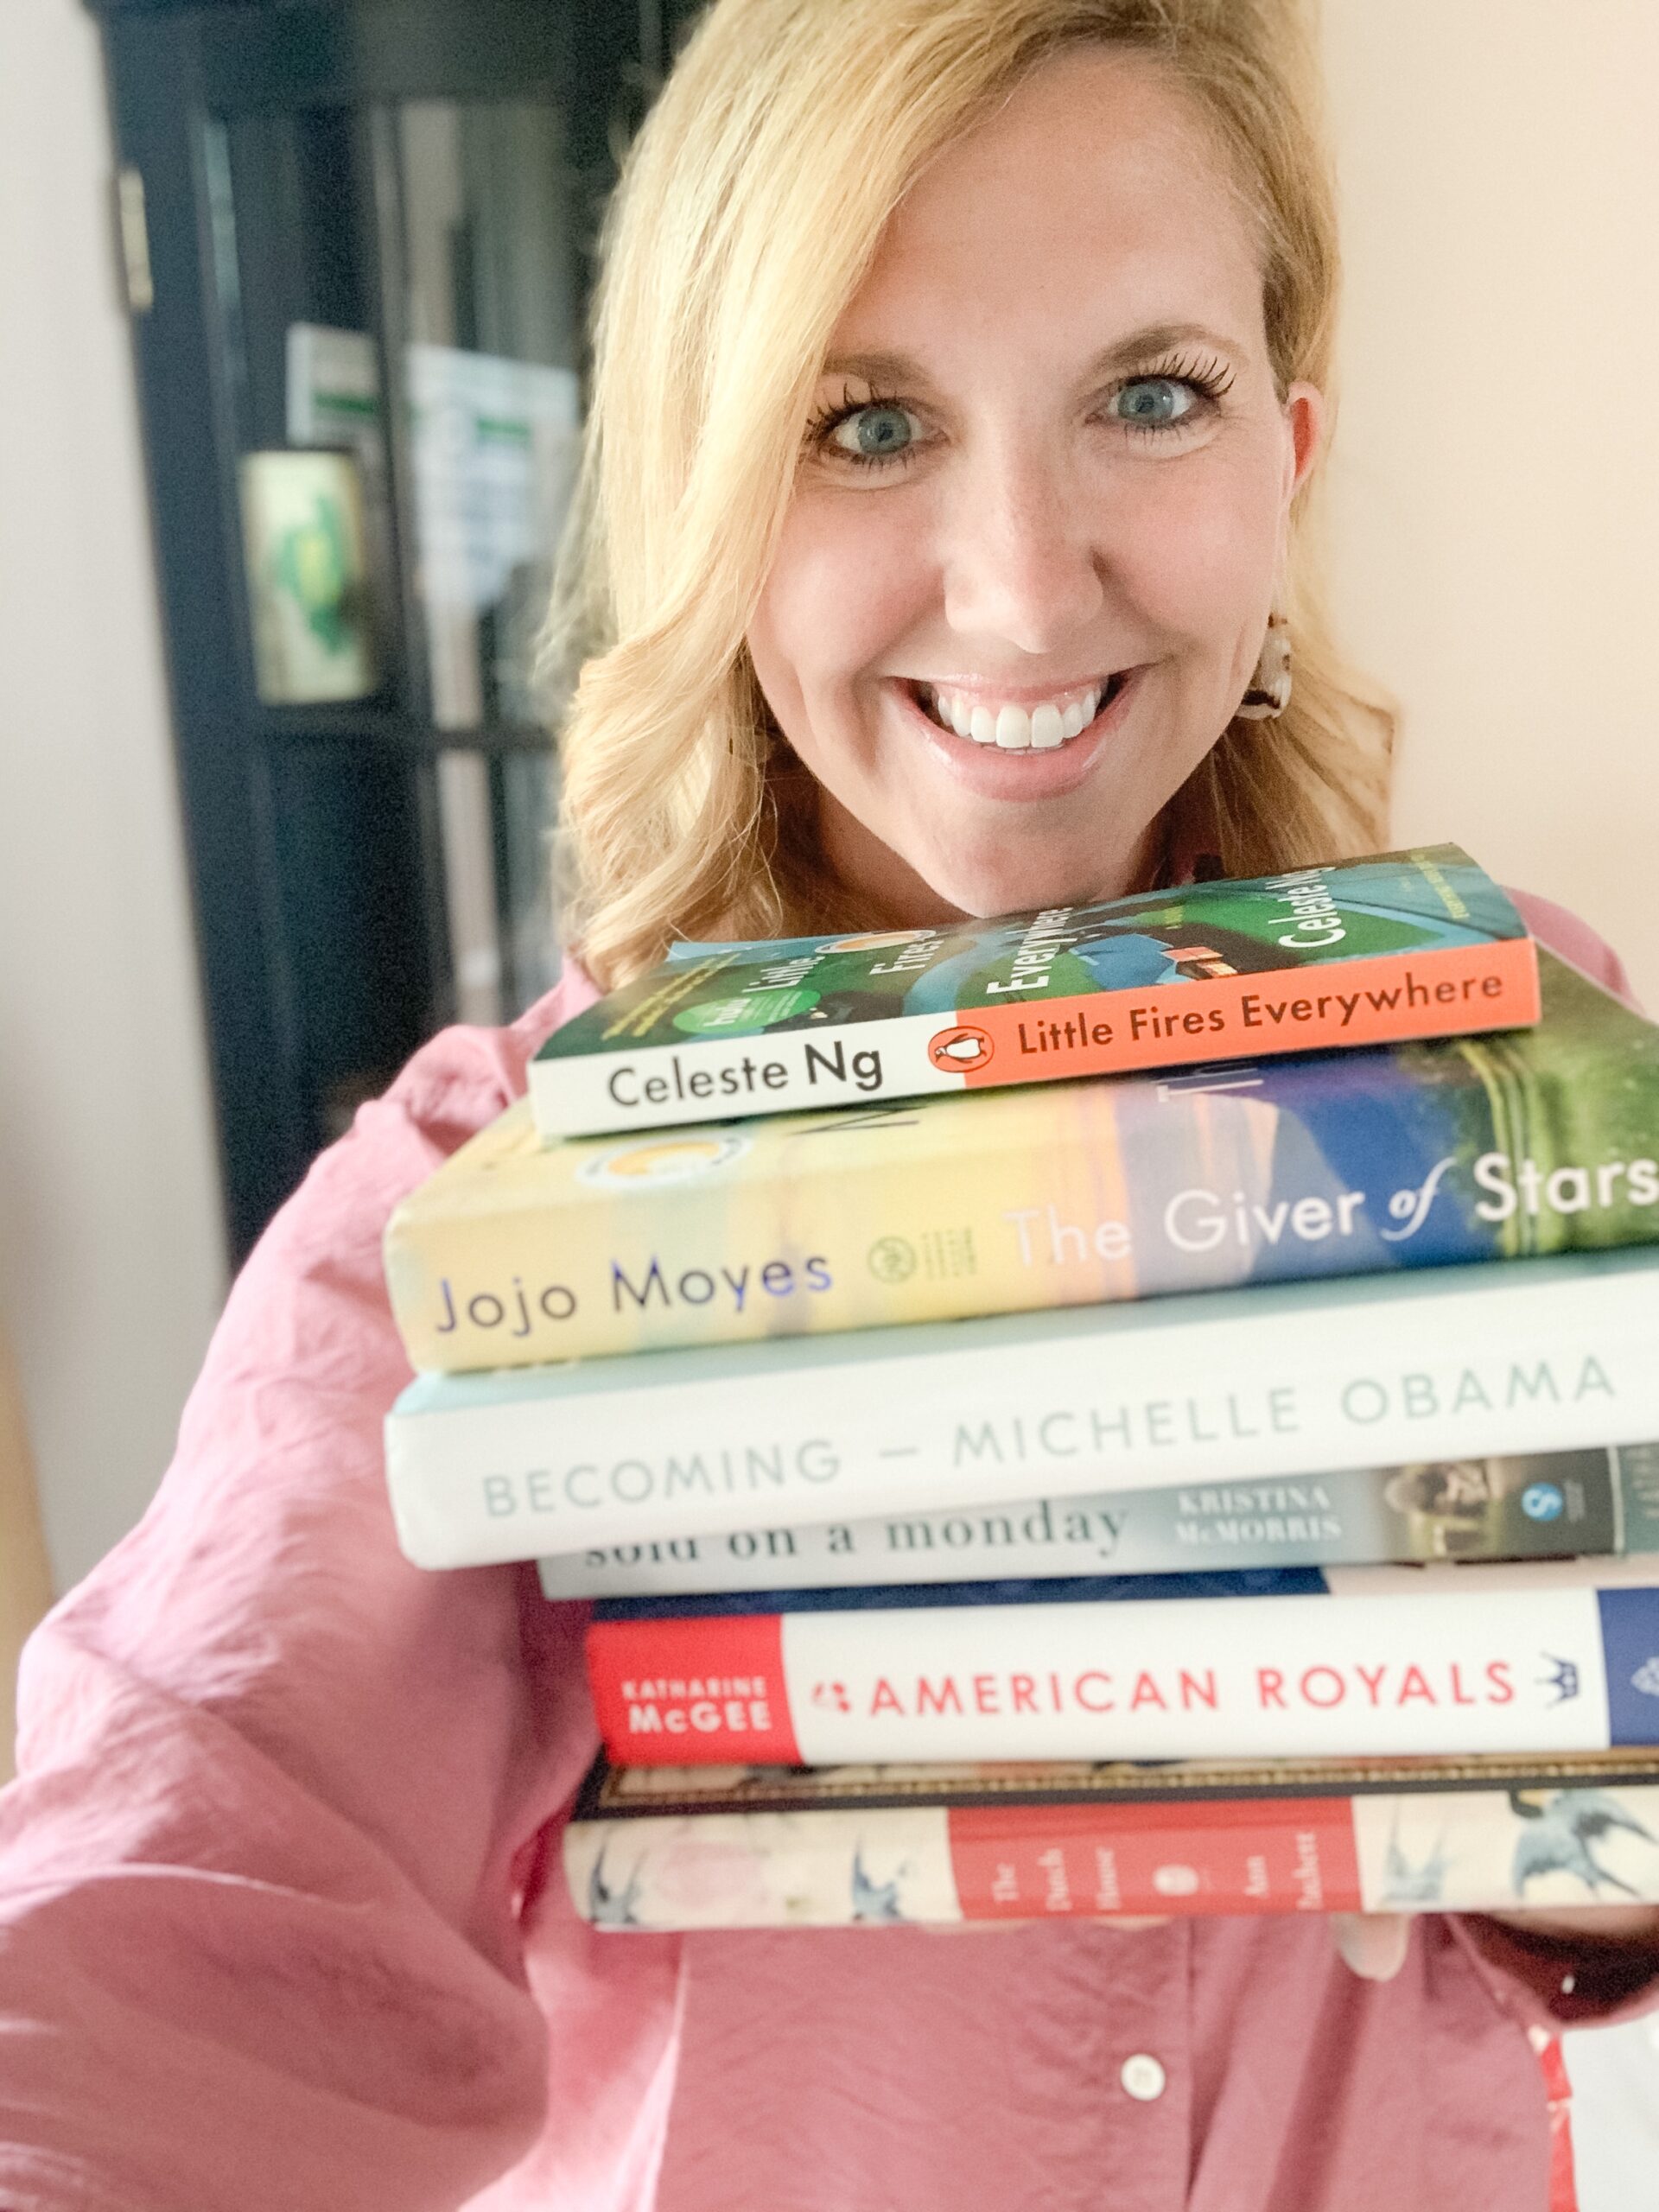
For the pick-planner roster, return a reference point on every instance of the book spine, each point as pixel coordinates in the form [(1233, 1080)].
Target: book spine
[(1455, 990), (1541, 1505), (1554, 1356), (1463, 1851), (1098, 1194), (1540, 1666), (1105, 1193)]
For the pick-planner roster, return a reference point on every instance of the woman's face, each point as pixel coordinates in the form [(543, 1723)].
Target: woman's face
[(1028, 564)]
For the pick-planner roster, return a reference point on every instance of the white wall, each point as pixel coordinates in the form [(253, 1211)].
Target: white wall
[(1496, 472), (111, 1261)]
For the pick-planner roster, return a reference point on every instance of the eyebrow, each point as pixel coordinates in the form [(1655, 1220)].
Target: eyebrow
[(884, 368)]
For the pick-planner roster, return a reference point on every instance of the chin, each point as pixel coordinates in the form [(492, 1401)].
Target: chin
[(1017, 883)]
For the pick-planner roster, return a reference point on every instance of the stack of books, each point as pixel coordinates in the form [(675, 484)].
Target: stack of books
[(1142, 1407)]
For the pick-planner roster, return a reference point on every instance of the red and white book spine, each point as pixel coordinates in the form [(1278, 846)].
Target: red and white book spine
[(941, 1864), (1455, 1851), (1549, 1656)]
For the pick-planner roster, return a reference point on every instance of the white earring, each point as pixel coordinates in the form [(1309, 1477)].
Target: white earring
[(1269, 692)]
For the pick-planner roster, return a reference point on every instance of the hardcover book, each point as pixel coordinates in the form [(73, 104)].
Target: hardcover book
[(871, 1846), (1334, 1163), (1420, 943), (1281, 1381), (1557, 1656), (1527, 1505)]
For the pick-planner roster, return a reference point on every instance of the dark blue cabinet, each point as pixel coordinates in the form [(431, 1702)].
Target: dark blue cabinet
[(370, 230)]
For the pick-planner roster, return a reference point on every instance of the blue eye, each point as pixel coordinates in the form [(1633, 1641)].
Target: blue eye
[(879, 432), (1153, 403)]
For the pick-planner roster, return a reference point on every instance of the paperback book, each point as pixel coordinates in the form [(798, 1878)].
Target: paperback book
[(1533, 1140), (1420, 943), (1548, 1656), (751, 1847), (1281, 1381), (1525, 1505)]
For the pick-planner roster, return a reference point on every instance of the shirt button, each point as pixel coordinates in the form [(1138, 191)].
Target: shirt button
[(1142, 2077)]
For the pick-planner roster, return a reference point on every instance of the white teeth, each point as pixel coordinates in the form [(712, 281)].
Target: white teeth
[(1085, 709), (1014, 728)]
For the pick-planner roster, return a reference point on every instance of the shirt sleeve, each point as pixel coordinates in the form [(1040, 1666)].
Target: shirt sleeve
[(1576, 942), (280, 1794)]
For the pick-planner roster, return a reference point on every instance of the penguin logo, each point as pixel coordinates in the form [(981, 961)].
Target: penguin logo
[(960, 1051)]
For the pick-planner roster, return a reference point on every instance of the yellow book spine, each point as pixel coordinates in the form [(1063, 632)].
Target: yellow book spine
[(513, 1255)]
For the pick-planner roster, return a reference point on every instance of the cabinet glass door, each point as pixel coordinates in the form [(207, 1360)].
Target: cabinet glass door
[(371, 224), (402, 304)]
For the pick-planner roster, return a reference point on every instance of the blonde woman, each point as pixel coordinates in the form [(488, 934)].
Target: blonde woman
[(962, 370)]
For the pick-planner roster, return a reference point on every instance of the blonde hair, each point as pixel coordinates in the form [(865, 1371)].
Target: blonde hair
[(749, 209)]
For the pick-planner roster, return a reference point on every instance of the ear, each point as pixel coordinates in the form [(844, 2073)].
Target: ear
[(1305, 425)]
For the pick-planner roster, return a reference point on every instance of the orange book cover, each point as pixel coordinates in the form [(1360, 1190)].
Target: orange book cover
[(1404, 945)]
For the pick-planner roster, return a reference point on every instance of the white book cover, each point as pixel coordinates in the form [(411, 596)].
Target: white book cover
[(1549, 1355), (1548, 1655)]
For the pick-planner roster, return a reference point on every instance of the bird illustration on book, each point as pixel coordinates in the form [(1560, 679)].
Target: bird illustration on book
[(1562, 1678), (613, 1908), (876, 1903), (1560, 1832), (958, 1050), (1422, 1882)]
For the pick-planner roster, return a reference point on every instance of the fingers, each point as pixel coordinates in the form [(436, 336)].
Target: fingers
[(1371, 1944), (1634, 1924)]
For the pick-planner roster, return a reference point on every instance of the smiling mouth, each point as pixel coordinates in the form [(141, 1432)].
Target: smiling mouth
[(1013, 727)]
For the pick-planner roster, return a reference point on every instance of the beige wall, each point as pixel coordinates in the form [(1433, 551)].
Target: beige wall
[(1496, 474), (111, 1268)]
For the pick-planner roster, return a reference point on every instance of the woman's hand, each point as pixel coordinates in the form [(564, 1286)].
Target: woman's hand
[(1373, 1944), (1624, 1924)]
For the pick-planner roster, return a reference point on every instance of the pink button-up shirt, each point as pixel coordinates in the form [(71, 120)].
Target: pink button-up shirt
[(281, 1928)]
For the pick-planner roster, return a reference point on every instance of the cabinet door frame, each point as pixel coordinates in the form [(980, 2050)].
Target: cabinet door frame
[(177, 74)]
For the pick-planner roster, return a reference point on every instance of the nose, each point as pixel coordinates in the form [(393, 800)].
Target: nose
[(1021, 563)]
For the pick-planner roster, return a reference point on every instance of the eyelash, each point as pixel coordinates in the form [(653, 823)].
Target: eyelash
[(1207, 378), (816, 436)]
